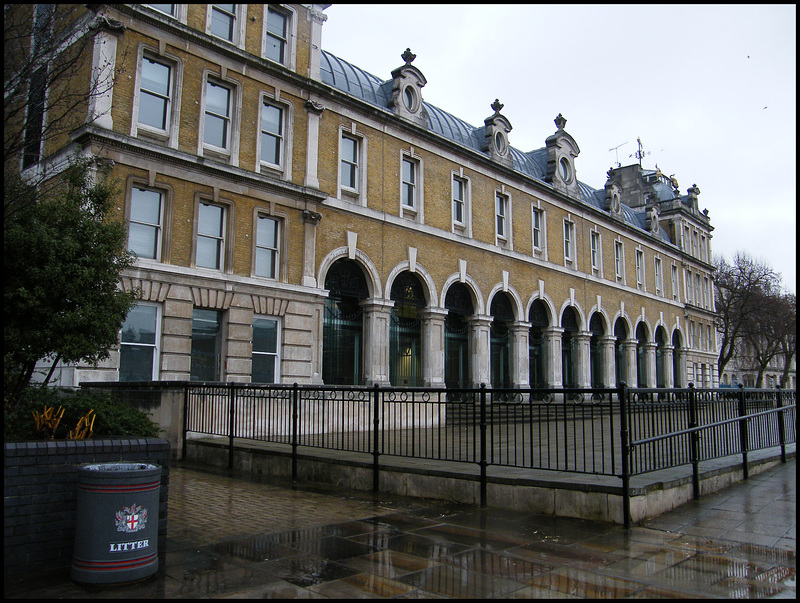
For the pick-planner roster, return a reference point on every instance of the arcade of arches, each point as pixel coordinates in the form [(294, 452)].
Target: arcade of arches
[(406, 341)]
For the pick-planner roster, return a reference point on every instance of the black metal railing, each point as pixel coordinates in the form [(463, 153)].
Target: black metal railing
[(619, 432)]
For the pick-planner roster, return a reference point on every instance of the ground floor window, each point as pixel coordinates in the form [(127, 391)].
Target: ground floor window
[(138, 350), (206, 345), (266, 335), (343, 324), (405, 337)]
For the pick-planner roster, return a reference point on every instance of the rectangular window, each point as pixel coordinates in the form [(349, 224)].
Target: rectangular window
[(569, 241), (618, 259), (689, 287), (659, 277), (267, 247), (538, 240), (705, 292), (349, 162), (210, 236), (501, 214), (154, 94), (675, 293), (639, 269), (138, 349), (206, 345), (595, 245), (698, 291), (409, 183), (167, 9), (271, 134), (265, 350), (694, 244), (144, 226), (223, 18), (459, 199), (217, 123), (276, 36)]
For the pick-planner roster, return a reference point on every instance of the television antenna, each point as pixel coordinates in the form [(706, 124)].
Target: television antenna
[(616, 150)]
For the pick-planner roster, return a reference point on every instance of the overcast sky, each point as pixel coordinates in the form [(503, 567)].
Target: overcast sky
[(709, 90)]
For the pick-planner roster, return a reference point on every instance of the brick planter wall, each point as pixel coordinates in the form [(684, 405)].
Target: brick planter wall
[(40, 492)]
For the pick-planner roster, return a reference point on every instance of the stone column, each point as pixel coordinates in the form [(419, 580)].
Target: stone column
[(669, 377), (377, 316), (629, 355), (479, 349), (310, 221), (650, 364), (584, 339), (552, 346), (609, 360), (433, 346), (520, 366)]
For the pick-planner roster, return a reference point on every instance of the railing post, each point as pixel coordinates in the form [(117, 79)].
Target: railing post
[(231, 420), (694, 442), (295, 415), (483, 445), (376, 420), (781, 426), (185, 420), (622, 393), (744, 441)]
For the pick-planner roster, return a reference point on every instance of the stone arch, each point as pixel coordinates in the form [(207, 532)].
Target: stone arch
[(471, 285), (370, 271), (432, 297), (512, 293)]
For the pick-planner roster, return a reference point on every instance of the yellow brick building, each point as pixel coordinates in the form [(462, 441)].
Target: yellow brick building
[(296, 219)]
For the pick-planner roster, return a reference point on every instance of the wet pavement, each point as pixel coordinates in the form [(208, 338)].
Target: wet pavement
[(233, 537)]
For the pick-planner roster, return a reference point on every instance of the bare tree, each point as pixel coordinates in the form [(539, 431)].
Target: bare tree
[(789, 335), (743, 291), (49, 79)]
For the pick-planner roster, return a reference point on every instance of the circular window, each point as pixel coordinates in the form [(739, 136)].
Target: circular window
[(615, 202), (500, 143), (410, 98), (566, 169)]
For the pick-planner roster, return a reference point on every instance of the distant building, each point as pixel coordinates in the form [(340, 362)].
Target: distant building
[(297, 219)]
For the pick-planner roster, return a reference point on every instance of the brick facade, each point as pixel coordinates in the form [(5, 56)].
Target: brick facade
[(322, 221)]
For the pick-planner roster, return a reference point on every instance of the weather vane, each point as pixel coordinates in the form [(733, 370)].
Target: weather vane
[(640, 154)]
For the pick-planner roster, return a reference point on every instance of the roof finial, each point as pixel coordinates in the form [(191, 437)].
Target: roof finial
[(408, 56), (560, 122), (497, 106)]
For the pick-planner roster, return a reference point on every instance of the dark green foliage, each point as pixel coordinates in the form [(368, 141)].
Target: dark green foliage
[(62, 259), (114, 418)]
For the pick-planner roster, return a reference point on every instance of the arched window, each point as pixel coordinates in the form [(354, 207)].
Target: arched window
[(456, 336), (500, 340), (661, 377), (538, 318), (596, 363), (679, 374), (641, 360), (620, 335), (569, 348), (405, 337), (343, 325)]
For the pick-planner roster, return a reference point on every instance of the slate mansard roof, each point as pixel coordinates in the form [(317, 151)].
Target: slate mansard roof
[(356, 82)]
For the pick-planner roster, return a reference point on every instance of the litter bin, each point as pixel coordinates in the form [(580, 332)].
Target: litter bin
[(116, 533)]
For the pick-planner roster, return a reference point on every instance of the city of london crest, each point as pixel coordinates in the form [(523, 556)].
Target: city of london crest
[(131, 519)]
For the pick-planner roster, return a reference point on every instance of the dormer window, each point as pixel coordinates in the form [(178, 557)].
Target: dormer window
[(496, 128), (407, 84), (565, 169)]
